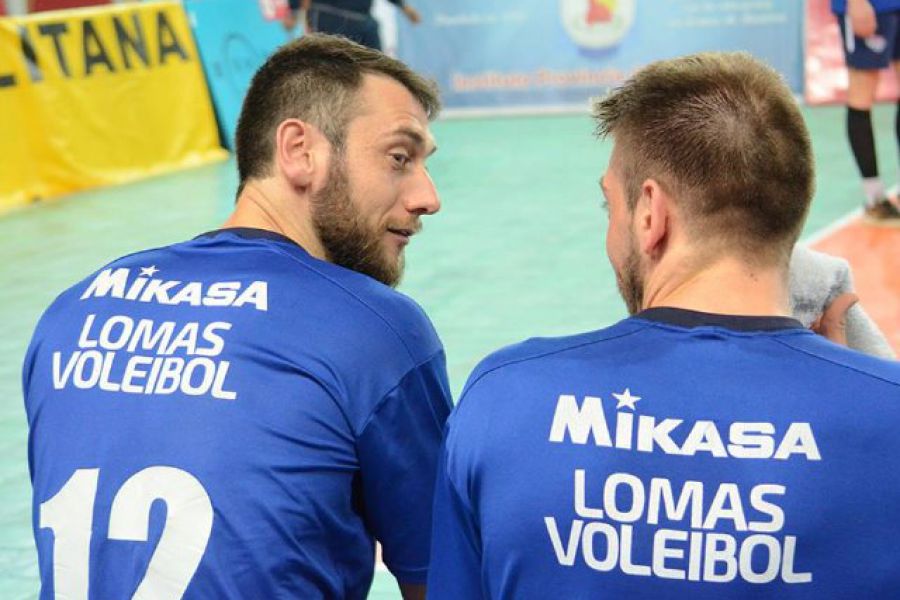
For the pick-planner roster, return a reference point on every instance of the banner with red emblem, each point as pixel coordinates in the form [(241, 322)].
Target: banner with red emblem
[(535, 54)]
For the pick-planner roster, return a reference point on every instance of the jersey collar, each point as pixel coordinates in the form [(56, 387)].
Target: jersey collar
[(251, 233), (692, 318)]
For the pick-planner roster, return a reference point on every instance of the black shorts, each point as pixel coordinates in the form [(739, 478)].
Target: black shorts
[(361, 28), (876, 51)]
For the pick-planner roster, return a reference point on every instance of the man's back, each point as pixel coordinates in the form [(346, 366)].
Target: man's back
[(675, 454), (206, 419)]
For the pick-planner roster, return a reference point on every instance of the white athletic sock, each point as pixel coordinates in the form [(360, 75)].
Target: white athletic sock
[(873, 187)]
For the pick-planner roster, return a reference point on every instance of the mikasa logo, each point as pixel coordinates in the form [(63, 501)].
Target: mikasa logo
[(587, 424), (145, 288)]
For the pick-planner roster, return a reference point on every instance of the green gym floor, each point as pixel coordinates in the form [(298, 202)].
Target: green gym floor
[(517, 251)]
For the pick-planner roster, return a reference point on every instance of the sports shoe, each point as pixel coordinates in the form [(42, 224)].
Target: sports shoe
[(882, 212)]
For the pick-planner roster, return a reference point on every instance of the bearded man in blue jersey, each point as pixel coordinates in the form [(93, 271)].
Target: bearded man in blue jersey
[(709, 446), (243, 414)]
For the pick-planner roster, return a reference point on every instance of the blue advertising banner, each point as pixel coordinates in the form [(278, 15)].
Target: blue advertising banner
[(234, 39), (553, 53)]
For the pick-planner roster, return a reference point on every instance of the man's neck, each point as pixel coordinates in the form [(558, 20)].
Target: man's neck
[(727, 286), (260, 206)]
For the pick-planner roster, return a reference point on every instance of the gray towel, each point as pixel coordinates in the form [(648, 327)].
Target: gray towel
[(816, 280)]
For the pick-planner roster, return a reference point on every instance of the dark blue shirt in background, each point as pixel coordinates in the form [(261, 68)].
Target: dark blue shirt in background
[(358, 6)]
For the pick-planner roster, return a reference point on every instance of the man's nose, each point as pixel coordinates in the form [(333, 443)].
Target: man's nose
[(422, 197)]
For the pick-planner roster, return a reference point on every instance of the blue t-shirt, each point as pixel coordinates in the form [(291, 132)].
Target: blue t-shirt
[(231, 418), (880, 6), (673, 455)]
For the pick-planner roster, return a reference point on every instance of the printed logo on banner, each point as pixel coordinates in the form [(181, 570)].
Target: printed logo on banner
[(238, 62), (597, 24), (234, 39), (89, 75), (101, 42)]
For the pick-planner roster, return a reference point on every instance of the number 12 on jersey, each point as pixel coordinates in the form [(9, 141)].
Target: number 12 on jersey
[(189, 517)]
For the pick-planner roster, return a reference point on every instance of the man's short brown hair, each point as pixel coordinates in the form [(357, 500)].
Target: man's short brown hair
[(314, 79), (724, 135)]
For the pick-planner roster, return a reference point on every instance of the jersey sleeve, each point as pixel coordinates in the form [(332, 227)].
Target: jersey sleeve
[(456, 550), (27, 371), (456, 544), (29, 365), (398, 452)]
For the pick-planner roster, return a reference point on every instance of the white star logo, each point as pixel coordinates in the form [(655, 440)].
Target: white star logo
[(149, 271), (626, 399)]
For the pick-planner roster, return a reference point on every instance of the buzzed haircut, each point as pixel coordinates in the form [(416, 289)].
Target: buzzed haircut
[(723, 134), (314, 79)]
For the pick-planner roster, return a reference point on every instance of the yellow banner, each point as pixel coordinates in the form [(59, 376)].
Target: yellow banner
[(98, 96)]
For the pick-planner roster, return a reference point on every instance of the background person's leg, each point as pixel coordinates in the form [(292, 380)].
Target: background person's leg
[(865, 58), (860, 97)]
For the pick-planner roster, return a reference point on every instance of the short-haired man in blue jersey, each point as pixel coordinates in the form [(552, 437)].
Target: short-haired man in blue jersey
[(243, 414), (870, 32), (708, 446)]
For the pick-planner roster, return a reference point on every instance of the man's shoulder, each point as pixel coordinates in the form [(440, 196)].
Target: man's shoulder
[(382, 303), (301, 276), (531, 356), (361, 302), (353, 314), (822, 354), (282, 282)]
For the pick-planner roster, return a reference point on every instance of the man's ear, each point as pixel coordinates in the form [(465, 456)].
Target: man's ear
[(296, 145), (653, 218)]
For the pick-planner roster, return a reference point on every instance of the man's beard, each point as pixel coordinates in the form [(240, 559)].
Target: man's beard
[(630, 281), (347, 239)]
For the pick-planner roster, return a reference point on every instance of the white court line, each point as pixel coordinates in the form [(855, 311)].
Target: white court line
[(820, 234)]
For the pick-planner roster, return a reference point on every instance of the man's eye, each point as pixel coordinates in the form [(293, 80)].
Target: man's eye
[(400, 160)]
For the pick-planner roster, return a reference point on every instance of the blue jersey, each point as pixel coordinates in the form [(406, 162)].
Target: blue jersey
[(673, 455), (880, 6), (231, 418)]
